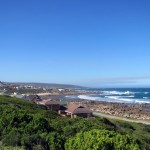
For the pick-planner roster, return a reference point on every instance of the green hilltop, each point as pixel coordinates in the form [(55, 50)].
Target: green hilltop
[(25, 125)]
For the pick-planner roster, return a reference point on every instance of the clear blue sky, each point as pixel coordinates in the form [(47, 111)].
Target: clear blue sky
[(84, 42)]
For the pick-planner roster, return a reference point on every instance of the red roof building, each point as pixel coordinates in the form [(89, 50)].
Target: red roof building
[(75, 110)]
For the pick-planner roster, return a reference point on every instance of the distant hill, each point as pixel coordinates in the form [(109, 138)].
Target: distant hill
[(48, 85)]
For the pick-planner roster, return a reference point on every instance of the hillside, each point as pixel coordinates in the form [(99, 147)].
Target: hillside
[(48, 85), (25, 125)]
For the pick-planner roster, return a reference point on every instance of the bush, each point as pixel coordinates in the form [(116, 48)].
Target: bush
[(101, 140)]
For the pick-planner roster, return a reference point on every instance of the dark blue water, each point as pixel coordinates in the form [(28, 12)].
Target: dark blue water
[(123, 95)]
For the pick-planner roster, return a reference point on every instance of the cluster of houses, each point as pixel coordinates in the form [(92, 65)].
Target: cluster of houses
[(62, 107)]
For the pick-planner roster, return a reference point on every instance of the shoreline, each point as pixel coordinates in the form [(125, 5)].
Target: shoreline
[(125, 110), (133, 111)]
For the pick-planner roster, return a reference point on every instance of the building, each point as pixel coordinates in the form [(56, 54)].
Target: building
[(34, 98), (50, 104), (71, 110), (63, 102), (75, 110), (62, 110)]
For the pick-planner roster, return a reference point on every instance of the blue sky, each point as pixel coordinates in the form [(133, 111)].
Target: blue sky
[(84, 42)]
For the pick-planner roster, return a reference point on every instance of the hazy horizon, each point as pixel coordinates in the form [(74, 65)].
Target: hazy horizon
[(83, 86)]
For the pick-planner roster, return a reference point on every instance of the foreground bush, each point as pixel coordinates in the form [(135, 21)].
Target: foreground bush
[(101, 140), (25, 125)]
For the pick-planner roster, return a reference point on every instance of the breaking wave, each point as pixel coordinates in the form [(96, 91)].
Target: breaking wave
[(117, 92), (134, 95), (88, 97)]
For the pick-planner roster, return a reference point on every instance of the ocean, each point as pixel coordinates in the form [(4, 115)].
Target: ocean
[(120, 95)]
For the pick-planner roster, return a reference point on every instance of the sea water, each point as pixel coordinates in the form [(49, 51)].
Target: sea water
[(121, 95)]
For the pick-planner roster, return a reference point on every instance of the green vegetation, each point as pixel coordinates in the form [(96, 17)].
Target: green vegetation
[(101, 139), (25, 125)]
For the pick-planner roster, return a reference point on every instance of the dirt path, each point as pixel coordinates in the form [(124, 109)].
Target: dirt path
[(120, 118)]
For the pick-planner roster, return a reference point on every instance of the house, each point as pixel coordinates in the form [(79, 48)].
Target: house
[(51, 104), (63, 102), (62, 110), (75, 110), (33, 98)]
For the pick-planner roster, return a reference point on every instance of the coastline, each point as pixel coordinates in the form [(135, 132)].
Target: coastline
[(114, 109), (133, 111)]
